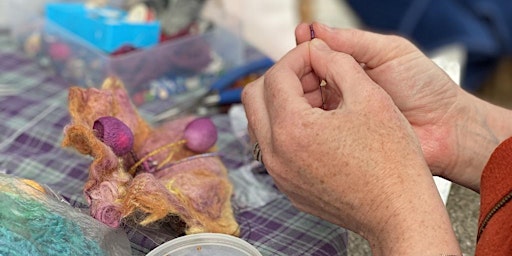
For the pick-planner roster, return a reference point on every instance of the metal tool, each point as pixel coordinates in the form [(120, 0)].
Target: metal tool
[(218, 93)]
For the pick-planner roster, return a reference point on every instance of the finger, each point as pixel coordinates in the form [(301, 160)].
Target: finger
[(315, 98), (311, 86), (310, 82), (332, 97), (302, 33), (325, 97), (366, 47), (284, 92), (339, 70), (258, 122)]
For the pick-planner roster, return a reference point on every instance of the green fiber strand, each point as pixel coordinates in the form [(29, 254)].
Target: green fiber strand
[(29, 227)]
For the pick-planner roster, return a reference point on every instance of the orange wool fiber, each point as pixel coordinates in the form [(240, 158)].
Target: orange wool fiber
[(166, 178)]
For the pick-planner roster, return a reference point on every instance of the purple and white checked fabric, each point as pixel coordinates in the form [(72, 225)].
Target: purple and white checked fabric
[(32, 120)]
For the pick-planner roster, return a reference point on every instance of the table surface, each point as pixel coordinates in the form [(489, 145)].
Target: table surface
[(33, 118)]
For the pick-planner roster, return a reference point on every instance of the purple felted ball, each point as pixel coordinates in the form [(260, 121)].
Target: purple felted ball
[(200, 134), (114, 133)]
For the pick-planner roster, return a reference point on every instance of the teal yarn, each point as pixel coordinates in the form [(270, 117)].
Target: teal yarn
[(29, 226), (14, 244)]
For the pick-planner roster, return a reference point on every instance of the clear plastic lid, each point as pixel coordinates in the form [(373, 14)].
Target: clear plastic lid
[(211, 244)]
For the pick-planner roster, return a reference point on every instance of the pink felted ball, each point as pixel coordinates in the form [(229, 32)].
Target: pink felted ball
[(59, 51), (200, 134), (114, 133)]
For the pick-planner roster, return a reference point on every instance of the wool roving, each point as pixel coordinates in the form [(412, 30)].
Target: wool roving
[(159, 177), (35, 222)]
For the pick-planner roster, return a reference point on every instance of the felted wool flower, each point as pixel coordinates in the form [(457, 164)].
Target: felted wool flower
[(168, 170)]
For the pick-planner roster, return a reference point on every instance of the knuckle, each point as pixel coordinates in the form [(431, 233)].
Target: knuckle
[(249, 91), (271, 73), (246, 94)]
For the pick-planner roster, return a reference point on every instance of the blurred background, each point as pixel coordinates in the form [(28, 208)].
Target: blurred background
[(483, 29)]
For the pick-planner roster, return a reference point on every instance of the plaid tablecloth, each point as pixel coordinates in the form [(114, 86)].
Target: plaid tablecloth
[(32, 118)]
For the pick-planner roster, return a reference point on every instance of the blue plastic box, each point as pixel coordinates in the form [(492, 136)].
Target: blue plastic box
[(105, 28)]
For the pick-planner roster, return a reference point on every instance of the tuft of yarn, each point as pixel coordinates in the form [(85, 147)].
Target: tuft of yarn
[(116, 134), (200, 134), (107, 212), (33, 223)]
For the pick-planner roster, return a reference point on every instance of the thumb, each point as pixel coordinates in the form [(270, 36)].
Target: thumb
[(339, 70), (366, 47)]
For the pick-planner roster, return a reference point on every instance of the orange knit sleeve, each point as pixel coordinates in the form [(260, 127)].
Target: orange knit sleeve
[(495, 221)]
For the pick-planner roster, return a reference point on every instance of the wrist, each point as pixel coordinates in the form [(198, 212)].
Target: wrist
[(499, 121), (480, 128), (418, 225)]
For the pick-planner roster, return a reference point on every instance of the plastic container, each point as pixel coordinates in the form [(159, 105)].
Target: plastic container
[(210, 244), (106, 28), (80, 63)]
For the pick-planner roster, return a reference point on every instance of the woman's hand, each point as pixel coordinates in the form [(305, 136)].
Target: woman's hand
[(457, 131), (357, 163)]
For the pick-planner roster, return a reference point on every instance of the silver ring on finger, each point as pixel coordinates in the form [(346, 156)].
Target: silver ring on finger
[(256, 152)]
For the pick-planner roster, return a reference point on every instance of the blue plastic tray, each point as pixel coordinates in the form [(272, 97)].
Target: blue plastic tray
[(105, 28)]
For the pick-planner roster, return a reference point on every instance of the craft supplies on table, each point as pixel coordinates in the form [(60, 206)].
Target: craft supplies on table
[(168, 175), (32, 150), (68, 56), (221, 90), (174, 16), (77, 62), (106, 28), (34, 220)]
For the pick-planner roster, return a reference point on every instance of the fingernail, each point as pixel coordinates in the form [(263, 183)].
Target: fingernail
[(319, 44)]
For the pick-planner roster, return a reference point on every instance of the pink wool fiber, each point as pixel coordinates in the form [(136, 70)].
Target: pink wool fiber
[(153, 172)]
